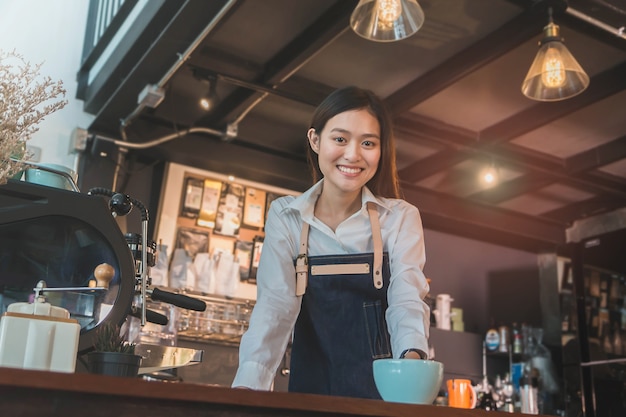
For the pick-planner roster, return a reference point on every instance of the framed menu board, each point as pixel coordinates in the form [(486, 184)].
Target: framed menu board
[(210, 200), (229, 210), (254, 207), (192, 197)]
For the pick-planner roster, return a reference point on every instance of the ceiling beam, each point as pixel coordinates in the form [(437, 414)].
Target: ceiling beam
[(234, 158), (527, 161), (585, 208), (536, 181), (331, 24), (507, 190), (453, 138), (501, 41), (462, 147), (601, 86), (431, 165), (597, 157), (458, 216)]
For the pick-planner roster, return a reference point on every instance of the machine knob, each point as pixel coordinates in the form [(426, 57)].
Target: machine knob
[(120, 204), (104, 273)]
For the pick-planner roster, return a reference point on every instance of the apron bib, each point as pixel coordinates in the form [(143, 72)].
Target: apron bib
[(341, 328)]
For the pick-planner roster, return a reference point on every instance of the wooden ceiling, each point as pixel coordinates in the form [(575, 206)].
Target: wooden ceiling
[(454, 89)]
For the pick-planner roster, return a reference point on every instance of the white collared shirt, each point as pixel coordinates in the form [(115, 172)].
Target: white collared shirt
[(277, 307)]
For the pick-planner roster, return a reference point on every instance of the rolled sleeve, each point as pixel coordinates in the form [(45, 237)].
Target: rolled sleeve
[(408, 316), (275, 311)]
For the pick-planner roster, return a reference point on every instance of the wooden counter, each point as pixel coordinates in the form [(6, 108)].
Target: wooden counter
[(33, 393)]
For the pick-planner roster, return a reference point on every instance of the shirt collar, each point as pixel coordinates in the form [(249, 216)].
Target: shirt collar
[(305, 203)]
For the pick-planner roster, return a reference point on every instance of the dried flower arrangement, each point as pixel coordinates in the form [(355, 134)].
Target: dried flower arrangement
[(24, 102)]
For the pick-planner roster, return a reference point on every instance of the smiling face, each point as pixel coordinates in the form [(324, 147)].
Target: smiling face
[(348, 149)]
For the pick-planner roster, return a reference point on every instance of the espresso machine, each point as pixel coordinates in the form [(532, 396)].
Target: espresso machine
[(60, 237)]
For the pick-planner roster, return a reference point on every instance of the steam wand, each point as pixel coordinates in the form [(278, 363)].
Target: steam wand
[(144, 261)]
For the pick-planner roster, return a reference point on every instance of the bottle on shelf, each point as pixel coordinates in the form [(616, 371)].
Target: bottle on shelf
[(492, 338), (518, 345), (528, 395), (505, 339)]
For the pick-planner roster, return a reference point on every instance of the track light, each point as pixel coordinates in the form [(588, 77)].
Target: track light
[(386, 20), (209, 101), (554, 74)]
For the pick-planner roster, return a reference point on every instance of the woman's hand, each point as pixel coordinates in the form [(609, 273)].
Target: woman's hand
[(412, 355)]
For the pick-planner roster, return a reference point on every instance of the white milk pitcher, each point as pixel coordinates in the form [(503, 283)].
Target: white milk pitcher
[(442, 311)]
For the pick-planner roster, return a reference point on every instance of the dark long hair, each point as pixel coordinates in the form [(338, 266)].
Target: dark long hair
[(385, 182)]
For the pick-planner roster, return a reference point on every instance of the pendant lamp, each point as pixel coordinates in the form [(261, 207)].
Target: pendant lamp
[(554, 74), (386, 20)]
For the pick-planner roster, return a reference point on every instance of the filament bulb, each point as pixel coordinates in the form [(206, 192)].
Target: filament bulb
[(388, 12), (553, 71)]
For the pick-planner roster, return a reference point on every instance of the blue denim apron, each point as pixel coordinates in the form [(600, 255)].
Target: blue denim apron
[(341, 328)]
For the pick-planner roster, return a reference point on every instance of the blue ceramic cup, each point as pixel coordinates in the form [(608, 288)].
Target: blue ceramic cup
[(412, 381)]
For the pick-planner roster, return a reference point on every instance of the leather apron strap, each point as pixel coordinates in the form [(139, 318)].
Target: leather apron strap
[(378, 245), (302, 275), (302, 267)]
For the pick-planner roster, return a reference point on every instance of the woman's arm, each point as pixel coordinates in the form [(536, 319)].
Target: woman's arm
[(276, 308), (408, 316)]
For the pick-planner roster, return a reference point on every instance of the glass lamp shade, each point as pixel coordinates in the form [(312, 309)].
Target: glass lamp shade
[(554, 74), (386, 20)]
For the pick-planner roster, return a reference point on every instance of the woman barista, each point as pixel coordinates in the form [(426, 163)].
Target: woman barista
[(342, 262)]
